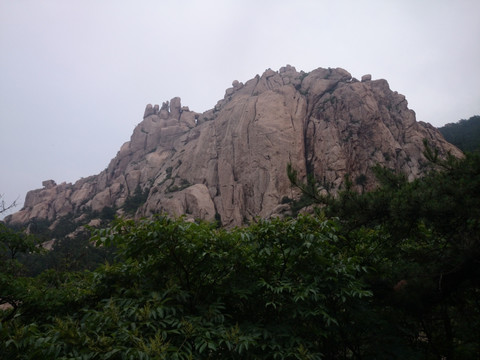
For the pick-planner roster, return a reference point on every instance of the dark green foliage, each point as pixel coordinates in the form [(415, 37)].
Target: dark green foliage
[(18, 292), (108, 213), (286, 200), (464, 134), (67, 254), (218, 219), (173, 188), (14, 242), (40, 228), (297, 205), (133, 202), (387, 274), (64, 226), (311, 189), (429, 253), (283, 289)]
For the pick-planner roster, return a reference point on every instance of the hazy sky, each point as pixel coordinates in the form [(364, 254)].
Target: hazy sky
[(75, 75)]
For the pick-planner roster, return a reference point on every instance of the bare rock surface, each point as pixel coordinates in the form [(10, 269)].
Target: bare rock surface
[(230, 162)]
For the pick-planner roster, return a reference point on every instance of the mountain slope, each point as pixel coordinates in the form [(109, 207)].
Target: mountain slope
[(464, 134), (229, 163)]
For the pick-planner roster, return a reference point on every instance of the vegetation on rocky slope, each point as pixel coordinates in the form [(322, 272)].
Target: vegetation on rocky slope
[(391, 273), (464, 134)]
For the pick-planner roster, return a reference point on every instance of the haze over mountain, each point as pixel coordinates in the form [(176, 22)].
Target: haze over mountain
[(229, 163)]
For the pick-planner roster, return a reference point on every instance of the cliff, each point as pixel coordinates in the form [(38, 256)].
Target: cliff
[(229, 162)]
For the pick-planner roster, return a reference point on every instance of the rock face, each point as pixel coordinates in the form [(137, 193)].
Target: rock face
[(229, 163)]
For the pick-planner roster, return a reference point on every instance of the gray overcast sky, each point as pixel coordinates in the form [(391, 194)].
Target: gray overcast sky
[(75, 75)]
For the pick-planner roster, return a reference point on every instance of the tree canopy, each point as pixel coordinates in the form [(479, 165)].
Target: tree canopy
[(389, 274), (464, 134)]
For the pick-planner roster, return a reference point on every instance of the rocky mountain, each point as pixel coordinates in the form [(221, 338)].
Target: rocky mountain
[(229, 162)]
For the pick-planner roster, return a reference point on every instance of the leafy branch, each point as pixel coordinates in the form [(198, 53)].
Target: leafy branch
[(309, 188)]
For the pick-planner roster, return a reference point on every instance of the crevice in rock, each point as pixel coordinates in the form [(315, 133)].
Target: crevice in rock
[(254, 91)]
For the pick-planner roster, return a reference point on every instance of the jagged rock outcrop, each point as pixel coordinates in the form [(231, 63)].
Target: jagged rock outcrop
[(229, 163)]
